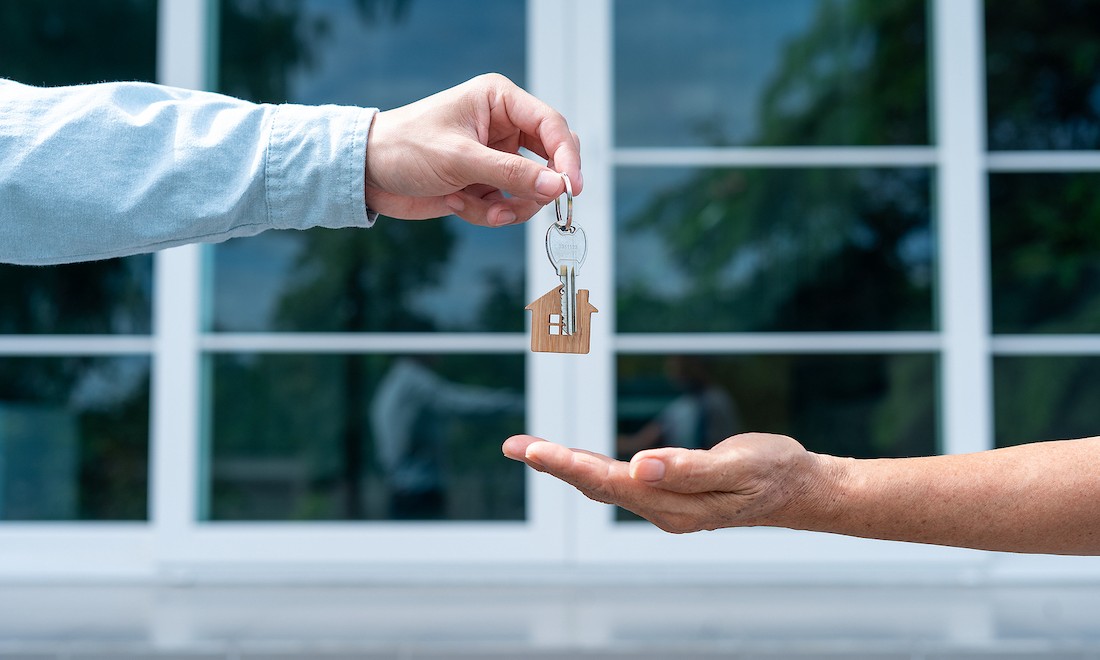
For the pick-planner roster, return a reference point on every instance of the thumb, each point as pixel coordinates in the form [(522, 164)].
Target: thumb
[(684, 470), (512, 173)]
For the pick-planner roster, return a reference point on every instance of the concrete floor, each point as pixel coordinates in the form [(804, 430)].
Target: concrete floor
[(759, 622)]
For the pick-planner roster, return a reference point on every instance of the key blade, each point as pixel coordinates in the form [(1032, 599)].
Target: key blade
[(568, 298)]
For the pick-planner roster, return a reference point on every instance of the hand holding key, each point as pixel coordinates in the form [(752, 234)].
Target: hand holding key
[(562, 325), (458, 152)]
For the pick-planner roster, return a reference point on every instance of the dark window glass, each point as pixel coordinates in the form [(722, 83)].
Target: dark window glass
[(866, 406), (330, 437), (61, 42), (1043, 76), (399, 276), (98, 297), (1045, 398), (1045, 247), (770, 72), (727, 250), (74, 438)]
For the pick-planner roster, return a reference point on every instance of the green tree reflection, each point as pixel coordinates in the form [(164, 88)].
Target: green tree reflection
[(359, 281), (1041, 61), (265, 40)]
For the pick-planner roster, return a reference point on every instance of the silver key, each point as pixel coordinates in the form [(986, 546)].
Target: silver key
[(567, 249)]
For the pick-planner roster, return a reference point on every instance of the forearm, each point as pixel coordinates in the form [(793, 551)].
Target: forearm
[(96, 171), (1036, 498)]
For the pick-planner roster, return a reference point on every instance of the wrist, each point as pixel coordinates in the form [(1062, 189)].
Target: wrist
[(819, 496), (371, 156)]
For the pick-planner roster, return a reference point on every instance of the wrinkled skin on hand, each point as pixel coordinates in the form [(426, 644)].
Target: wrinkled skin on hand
[(748, 479), (457, 152)]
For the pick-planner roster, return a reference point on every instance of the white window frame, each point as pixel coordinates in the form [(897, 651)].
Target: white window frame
[(570, 398), (189, 546), (963, 343)]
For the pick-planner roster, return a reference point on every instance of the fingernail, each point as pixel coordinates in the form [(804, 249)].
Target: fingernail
[(504, 218), (547, 183), (530, 458), (649, 469)]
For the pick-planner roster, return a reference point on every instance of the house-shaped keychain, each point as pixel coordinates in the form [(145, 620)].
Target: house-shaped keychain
[(547, 324)]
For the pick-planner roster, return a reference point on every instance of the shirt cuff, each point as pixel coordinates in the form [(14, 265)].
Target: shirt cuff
[(315, 167)]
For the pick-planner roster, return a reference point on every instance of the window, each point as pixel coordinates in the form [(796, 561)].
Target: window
[(754, 200), (74, 350), (1044, 217), (376, 432), (803, 217)]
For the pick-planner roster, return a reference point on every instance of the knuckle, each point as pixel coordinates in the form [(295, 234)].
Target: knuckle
[(493, 79), (515, 171)]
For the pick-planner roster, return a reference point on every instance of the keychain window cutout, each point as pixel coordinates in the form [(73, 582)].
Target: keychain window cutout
[(547, 316)]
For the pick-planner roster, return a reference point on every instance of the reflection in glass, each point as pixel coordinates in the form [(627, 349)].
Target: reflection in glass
[(1045, 398), (770, 72), (865, 406), (1043, 91), (74, 438), (442, 275), (61, 43), (398, 276), (1045, 241), (330, 437), (98, 297), (694, 408), (726, 250)]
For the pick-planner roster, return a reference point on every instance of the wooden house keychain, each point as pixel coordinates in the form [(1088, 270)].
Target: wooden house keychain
[(562, 317)]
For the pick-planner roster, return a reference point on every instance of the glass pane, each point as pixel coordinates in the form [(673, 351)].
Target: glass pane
[(1045, 398), (866, 406), (770, 72), (74, 438), (399, 276), (1043, 90), (329, 437), (98, 297), (445, 275), (725, 250), (61, 42), (1044, 239)]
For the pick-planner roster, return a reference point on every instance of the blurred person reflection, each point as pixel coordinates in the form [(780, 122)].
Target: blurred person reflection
[(408, 419), (701, 416)]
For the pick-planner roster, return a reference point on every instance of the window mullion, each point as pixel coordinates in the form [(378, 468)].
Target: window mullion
[(958, 63), (181, 62)]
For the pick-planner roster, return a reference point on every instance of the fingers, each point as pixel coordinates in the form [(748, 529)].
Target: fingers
[(597, 476), (515, 447), (546, 125), (484, 205), (686, 470), (510, 172)]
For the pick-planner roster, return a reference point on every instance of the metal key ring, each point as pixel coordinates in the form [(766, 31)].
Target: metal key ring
[(568, 226)]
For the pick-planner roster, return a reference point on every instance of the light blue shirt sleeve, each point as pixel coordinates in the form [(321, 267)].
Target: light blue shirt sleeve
[(113, 169)]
